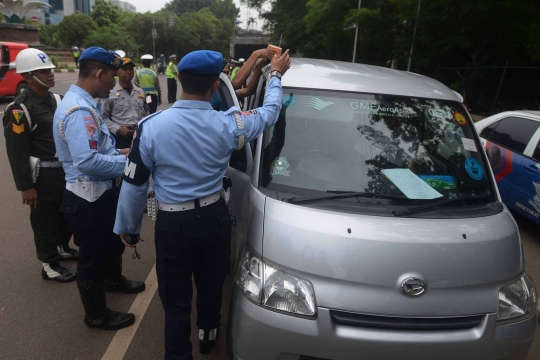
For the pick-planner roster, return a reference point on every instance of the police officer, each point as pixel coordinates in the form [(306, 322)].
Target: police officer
[(148, 80), (30, 145), (125, 106), (186, 149), (76, 55), (171, 79), (93, 165)]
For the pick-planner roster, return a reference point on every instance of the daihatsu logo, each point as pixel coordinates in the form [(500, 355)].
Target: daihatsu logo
[(413, 287)]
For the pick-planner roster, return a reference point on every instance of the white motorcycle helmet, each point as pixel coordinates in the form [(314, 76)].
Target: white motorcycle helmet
[(29, 60), (147, 57)]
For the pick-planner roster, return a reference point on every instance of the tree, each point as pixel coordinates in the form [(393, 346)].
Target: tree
[(184, 6), (74, 29), (225, 9), (48, 35), (104, 14), (115, 37)]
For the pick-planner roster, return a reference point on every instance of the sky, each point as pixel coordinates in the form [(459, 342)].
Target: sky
[(155, 5)]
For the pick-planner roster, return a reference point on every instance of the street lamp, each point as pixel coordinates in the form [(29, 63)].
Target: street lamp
[(356, 36), (414, 36)]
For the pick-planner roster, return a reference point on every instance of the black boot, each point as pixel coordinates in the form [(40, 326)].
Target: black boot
[(124, 285), (67, 253), (207, 340), (117, 282), (97, 314), (53, 271)]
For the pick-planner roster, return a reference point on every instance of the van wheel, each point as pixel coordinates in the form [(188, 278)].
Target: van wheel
[(21, 87)]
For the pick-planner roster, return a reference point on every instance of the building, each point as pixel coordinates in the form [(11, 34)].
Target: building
[(62, 8), (123, 5)]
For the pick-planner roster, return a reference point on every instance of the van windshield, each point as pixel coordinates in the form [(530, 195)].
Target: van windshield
[(333, 142)]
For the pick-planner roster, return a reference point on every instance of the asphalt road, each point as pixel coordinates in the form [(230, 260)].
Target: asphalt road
[(44, 319)]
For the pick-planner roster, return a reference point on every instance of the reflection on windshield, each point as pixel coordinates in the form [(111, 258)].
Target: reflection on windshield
[(329, 141)]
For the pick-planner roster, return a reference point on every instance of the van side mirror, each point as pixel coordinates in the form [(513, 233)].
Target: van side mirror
[(494, 156)]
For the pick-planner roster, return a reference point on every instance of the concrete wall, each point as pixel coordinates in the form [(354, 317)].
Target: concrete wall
[(20, 33)]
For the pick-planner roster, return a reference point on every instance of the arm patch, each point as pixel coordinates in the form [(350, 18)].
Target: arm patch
[(136, 172)]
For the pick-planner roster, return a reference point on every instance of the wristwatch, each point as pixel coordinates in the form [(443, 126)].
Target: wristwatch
[(276, 74)]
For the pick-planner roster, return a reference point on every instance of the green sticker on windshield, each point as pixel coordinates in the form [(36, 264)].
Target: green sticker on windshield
[(440, 181), (280, 166)]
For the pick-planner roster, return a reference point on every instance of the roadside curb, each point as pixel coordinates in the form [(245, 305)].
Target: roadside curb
[(66, 70)]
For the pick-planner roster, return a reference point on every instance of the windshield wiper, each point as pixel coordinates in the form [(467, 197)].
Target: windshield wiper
[(408, 211), (341, 195)]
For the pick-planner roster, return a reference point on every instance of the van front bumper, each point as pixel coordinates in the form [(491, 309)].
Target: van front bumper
[(261, 334)]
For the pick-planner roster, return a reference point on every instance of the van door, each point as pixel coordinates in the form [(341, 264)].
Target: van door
[(241, 161), (4, 67)]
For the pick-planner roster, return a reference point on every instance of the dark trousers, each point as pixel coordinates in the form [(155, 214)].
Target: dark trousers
[(92, 223), (122, 142), (154, 104), (171, 90), (198, 243), (50, 228)]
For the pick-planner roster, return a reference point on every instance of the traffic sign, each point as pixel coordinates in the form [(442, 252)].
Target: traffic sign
[(34, 19)]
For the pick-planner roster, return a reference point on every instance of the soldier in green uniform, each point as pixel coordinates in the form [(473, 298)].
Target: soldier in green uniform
[(148, 80), (171, 79), (38, 174)]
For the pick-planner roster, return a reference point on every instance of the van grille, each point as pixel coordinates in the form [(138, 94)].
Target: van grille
[(401, 323)]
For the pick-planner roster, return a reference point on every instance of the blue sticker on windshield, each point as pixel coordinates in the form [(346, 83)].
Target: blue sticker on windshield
[(288, 100), (474, 169)]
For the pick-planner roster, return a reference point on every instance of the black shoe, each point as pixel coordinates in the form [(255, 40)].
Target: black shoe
[(207, 340), (53, 271), (113, 320), (67, 253), (125, 286)]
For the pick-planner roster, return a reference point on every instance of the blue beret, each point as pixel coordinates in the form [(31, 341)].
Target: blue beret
[(202, 62), (98, 54)]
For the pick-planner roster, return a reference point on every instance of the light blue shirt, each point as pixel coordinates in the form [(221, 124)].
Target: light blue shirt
[(79, 151), (187, 149)]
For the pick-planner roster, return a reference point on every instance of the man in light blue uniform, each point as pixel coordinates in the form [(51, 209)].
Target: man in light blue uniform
[(93, 165), (187, 149)]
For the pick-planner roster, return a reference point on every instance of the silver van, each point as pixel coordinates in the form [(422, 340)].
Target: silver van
[(368, 225)]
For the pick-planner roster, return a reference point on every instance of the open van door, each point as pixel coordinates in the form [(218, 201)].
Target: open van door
[(240, 164)]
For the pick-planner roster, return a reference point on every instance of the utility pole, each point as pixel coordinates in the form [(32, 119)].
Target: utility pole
[(154, 35), (414, 36), (356, 36)]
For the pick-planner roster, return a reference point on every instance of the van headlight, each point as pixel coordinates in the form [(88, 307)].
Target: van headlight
[(517, 300), (274, 288)]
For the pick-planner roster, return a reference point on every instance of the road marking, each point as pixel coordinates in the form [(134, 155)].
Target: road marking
[(121, 341)]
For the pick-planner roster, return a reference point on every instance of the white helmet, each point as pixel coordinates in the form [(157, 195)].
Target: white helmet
[(147, 57), (32, 59), (120, 53)]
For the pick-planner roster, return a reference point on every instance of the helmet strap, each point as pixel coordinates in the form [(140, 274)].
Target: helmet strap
[(41, 82)]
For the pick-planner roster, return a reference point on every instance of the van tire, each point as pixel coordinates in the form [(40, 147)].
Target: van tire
[(20, 88)]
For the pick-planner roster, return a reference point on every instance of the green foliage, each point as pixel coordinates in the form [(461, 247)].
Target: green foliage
[(48, 35), (54, 60), (74, 29), (185, 6), (113, 38), (225, 9), (104, 14)]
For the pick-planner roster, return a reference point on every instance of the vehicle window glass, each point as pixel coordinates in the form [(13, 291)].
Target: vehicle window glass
[(337, 141), (536, 154), (514, 133), (486, 133), (239, 160)]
